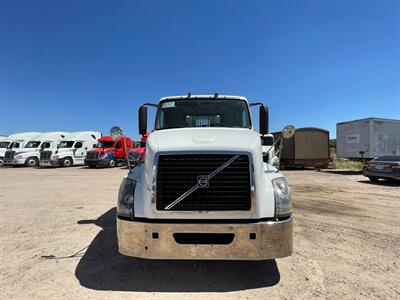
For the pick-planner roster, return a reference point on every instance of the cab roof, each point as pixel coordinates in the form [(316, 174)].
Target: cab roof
[(215, 96)]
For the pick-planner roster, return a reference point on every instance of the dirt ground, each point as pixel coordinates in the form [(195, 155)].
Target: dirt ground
[(58, 240)]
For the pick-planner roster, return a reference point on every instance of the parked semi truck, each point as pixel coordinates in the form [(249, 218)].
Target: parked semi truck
[(368, 138), (71, 150), (268, 149), (109, 152), (203, 190), (139, 148), (29, 155), (7, 143), (4, 144)]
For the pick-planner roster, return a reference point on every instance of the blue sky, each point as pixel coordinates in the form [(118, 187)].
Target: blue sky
[(88, 65)]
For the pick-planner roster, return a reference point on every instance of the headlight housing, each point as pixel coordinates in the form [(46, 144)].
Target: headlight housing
[(283, 197), (126, 196), (106, 155)]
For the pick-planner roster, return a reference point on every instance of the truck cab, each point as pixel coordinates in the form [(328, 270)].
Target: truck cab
[(4, 144), (268, 149), (140, 148), (71, 150), (109, 152), (203, 190), (29, 154)]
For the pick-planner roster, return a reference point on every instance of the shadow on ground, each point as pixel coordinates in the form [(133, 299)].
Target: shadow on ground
[(343, 172), (393, 183), (103, 268)]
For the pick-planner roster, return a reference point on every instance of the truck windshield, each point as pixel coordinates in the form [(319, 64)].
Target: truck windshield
[(66, 144), (203, 113), (33, 144), (4, 144), (105, 144)]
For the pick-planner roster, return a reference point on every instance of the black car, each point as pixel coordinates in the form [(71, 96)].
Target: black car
[(385, 167)]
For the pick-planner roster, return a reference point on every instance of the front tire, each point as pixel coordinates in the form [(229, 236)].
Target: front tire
[(31, 162), (67, 162), (112, 163), (373, 179)]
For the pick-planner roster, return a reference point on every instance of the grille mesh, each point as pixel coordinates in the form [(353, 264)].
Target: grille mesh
[(45, 155), (92, 155), (228, 190), (9, 154)]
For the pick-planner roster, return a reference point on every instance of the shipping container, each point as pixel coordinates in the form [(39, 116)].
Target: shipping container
[(309, 147), (368, 138)]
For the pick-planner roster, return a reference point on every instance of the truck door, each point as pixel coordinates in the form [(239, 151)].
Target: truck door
[(119, 150), (79, 152)]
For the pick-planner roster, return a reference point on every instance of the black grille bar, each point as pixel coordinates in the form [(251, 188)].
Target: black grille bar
[(9, 154), (45, 155), (228, 190), (92, 155)]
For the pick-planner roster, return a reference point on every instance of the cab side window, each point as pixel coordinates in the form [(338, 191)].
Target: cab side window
[(45, 145), (118, 145), (78, 145)]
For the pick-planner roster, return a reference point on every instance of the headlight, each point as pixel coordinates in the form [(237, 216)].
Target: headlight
[(125, 198), (18, 156), (283, 197), (105, 155)]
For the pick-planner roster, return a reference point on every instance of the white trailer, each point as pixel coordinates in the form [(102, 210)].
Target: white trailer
[(368, 138), (71, 150), (29, 154)]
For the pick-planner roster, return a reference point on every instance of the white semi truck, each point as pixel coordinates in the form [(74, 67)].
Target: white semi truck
[(4, 144), (203, 190), (71, 151), (17, 141), (29, 154)]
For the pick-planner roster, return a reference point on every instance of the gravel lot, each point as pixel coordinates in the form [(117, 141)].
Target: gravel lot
[(58, 240)]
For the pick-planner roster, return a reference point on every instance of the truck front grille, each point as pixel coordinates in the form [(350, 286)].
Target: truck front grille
[(228, 190), (92, 155), (9, 154), (45, 155)]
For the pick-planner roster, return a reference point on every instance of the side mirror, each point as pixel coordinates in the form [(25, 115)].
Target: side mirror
[(264, 120), (142, 120)]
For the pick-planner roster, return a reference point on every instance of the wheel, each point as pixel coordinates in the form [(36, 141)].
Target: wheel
[(373, 179), (112, 163), (67, 162), (31, 162)]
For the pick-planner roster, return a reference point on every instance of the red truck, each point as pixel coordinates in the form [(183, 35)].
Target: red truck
[(108, 152), (140, 148)]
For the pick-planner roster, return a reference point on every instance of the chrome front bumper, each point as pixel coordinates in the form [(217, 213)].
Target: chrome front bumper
[(252, 241)]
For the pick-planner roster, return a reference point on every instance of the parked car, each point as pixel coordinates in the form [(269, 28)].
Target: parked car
[(383, 167)]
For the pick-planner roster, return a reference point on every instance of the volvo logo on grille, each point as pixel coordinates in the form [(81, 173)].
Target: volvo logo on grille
[(203, 181)]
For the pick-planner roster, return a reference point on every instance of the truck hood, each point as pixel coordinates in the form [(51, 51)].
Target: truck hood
[(25, 150), (102, 150), (204, 139)]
